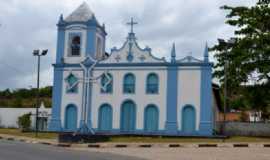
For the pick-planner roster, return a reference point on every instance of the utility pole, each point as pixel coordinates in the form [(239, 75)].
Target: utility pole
[(38, 54)]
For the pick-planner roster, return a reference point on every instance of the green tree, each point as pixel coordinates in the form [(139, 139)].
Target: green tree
[(17, 102), (24, 122), (248, 58), (250, 54)]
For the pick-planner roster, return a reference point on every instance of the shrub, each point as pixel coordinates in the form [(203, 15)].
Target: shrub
[(24, 122)]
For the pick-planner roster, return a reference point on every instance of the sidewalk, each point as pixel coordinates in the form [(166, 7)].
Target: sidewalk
[(55, 142), (28, 140)]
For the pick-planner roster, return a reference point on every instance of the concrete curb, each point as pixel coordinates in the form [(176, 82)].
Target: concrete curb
[(135, 145), (168, 145)]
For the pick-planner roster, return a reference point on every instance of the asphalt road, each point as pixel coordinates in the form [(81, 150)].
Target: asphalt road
[(11, 150)]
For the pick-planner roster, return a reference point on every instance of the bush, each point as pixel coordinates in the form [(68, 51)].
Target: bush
[(24, 122)]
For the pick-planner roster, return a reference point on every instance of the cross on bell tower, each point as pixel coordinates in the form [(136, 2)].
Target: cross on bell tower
[(131, 23)]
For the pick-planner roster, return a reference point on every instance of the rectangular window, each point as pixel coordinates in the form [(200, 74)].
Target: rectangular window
[(74, 44)]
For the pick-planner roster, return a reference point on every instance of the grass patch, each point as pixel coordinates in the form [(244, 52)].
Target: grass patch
[(161, 139), (17, 132), (141, 139), (248, 139)]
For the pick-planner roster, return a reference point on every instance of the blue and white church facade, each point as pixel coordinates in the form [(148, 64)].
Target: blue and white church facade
[(130, 90)]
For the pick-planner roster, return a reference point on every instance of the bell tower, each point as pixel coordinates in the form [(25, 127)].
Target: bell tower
[(80, 35)]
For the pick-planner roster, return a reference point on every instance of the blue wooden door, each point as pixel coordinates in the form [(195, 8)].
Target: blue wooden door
[(151, 118), (128, 117), (188, 119), (105, 118), (71, 118)]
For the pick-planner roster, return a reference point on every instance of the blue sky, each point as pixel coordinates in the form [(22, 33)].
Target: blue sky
[(31, 24)]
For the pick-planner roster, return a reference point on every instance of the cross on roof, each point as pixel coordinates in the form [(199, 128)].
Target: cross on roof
[(131, 23)]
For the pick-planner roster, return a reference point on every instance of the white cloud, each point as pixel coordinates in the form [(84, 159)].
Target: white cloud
[(30, 24)]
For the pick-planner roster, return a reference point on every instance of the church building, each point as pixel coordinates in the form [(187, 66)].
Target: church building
[(129, 90)]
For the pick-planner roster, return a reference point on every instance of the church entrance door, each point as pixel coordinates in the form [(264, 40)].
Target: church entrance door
[(71, 118), (151, 118), (128, 116), (105, 118), (188, 119)]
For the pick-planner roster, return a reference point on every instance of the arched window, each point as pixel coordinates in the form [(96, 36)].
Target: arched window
[(129, 83), (106, 83), (75, 46), (152, 83), (72, 84)]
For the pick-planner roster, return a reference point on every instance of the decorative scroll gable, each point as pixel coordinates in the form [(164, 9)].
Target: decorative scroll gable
[(189, 59), (130, 52)]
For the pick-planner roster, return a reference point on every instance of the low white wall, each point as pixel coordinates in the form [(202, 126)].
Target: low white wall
[(9, 116)]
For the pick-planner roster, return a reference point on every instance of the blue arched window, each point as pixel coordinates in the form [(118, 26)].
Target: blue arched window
[(72, 84), (129, 83), (152, 83), (107, 83)]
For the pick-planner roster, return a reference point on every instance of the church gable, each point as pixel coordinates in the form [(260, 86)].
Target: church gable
[(130, 52), (189, 59)]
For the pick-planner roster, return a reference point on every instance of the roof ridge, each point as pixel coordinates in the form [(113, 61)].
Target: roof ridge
[(82, 13)]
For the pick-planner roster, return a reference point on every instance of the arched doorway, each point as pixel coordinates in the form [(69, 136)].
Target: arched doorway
[(128, 116), (71, 118), (105, 117), (188, 119), (151, 118)]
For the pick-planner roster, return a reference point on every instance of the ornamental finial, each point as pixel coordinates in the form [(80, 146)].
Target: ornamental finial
[(206, 54), (173, 54)]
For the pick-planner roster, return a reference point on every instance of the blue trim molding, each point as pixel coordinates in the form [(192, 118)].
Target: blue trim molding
[(171, 121), (146, 64), (206, 115), (55, 123), (89, 110), (60, 45), (91, 41), (83, 102)]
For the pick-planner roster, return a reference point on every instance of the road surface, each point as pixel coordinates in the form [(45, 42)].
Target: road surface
[(12, 150)]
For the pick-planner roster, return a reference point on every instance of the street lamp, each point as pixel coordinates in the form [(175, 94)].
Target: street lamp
[(227, 44), (38, 54)]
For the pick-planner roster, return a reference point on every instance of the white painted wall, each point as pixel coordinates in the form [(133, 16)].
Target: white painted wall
[(9, 116), (188, 93), (140, 97), (71, 98), (189, 84)]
